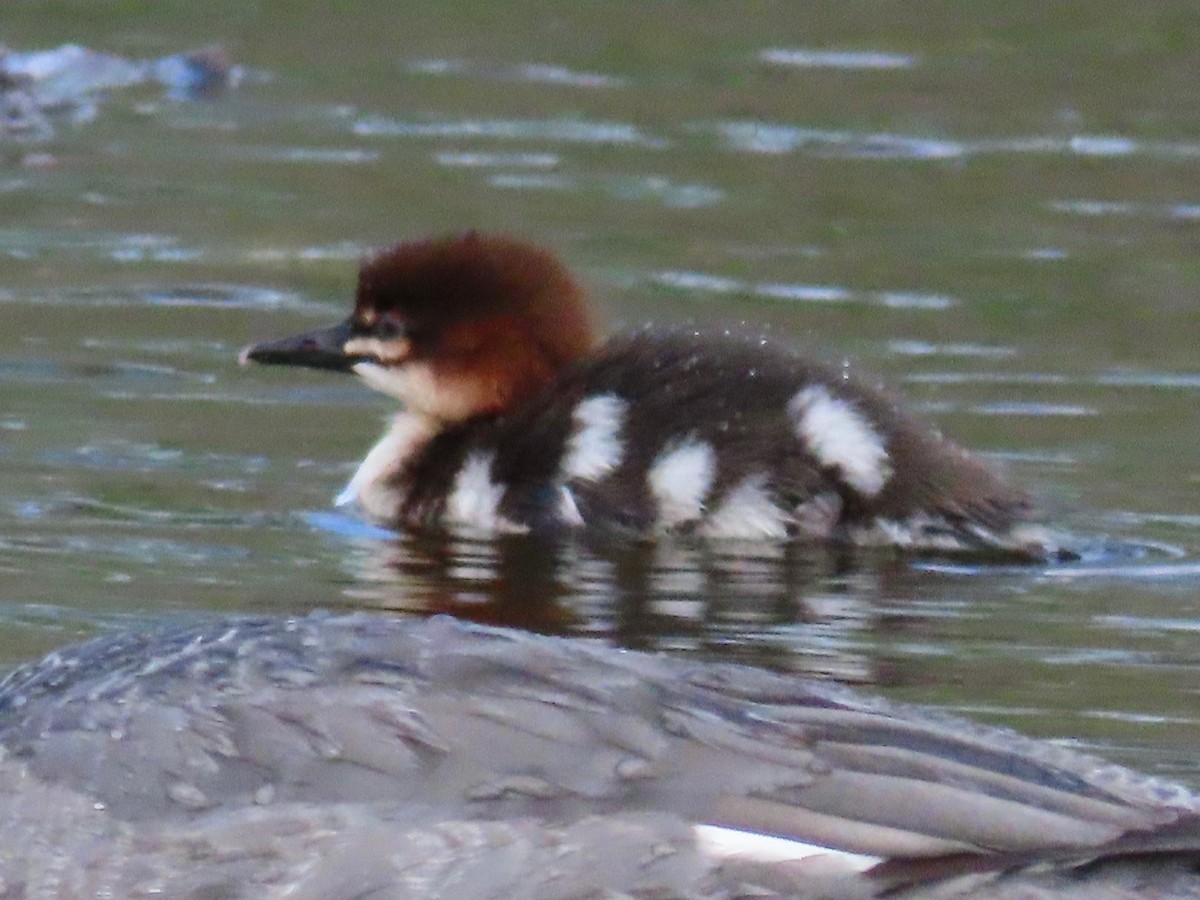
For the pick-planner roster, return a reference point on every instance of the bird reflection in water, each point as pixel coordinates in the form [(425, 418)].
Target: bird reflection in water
[(809, 610)]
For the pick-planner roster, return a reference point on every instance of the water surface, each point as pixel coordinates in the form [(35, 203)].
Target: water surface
[(993, 208)]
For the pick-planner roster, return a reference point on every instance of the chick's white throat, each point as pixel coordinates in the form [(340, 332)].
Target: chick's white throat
[(422, 390)]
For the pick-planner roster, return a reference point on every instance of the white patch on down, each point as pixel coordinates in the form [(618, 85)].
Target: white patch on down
[(368, 487), (747, 511), (594, 449), (475, 498), (716, 841), (680, 479), (568, 509), (842, 438)]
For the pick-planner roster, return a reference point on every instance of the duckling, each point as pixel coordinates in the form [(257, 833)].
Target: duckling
[(516, 419)]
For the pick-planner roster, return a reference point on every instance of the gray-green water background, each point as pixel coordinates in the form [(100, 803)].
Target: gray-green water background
[(992, 206)]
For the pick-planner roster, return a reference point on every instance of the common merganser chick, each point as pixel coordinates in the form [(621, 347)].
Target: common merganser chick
[(374, 756), (516, 419)]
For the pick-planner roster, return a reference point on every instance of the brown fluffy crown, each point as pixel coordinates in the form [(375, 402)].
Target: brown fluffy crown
[(494, 315), (432, 283)]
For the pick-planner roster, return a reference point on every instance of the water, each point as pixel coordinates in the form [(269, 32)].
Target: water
[(991, 208)]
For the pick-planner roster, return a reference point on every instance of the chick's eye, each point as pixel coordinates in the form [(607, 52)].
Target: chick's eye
[(389, 327)]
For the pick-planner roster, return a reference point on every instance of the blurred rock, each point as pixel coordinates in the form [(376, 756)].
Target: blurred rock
[(69, 83)]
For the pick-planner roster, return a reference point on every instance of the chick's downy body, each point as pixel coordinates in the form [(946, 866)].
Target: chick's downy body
[(516, 419)]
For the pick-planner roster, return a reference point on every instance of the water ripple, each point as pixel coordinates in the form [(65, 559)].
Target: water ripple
[(571, 131), (323, 155), (1182, 212), (1185, 572), (28, 244), (1184, 520), (122, 455), (925, 348), (343, 250), (1149, 623), (775, 138), (1045, 254), (540, 73), (994, 378), (647, 187), (224, 296), (498, 160), (544, 182), (1189, 380), (344, 526), (147, 551), (1091, 207), (701, 282), (837, 59), (1157, 380), (174, 347), (1033, 409), (761, 137)]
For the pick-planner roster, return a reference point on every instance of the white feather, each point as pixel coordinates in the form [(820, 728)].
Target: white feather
[(842, 438), (594, 448), (747, 511), (475, 498), (680, 479)]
